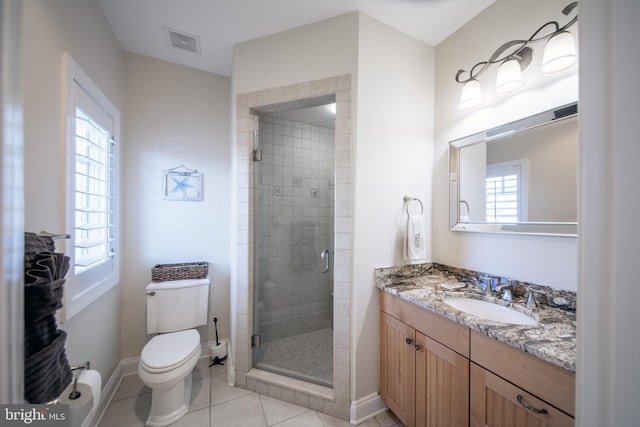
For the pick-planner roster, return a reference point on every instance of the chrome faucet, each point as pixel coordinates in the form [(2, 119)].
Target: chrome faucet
[(531, 300), (487, 288), (506, 290)]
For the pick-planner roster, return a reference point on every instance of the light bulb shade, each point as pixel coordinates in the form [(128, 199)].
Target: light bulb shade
[(559, 53), (509, 76), (471, 95)]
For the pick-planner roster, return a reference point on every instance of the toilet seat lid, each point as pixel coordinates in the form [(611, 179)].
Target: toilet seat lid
[(164, 351)]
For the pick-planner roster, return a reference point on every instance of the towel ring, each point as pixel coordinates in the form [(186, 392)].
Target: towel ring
[(408, 200), (463, 202)]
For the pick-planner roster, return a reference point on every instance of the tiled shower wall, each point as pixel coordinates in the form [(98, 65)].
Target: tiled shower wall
[(293, 225)]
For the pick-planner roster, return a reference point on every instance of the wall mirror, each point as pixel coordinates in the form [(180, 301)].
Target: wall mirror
[(520, 177)]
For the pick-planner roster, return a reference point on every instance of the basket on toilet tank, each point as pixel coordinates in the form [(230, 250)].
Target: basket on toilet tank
[(189, 270)]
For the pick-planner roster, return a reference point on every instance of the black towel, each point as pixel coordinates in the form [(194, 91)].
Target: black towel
[(42, 298), (34, 244), (46, 370)]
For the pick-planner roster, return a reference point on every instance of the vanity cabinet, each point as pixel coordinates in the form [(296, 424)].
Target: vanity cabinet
[(496, 402), (422, 380), (398, 368), (500, 373), (435, 372)]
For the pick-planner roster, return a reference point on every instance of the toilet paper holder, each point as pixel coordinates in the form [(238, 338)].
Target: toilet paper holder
[(218, 350), (75, 394)]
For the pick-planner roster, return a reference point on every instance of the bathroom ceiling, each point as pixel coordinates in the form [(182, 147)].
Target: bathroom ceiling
[(140, 26)]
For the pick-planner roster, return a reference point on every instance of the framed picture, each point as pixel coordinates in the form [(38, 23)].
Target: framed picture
[(184, 185)]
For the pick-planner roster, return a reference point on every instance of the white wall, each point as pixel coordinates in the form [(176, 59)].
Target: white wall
[(543, 260), (78, 27), (393, 158), (173, 116), (608, 377)]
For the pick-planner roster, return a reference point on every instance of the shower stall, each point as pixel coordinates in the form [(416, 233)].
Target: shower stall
[(293, 235)]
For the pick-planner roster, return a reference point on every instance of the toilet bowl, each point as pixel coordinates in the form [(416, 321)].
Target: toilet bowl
[(174, 309), (165, 367)]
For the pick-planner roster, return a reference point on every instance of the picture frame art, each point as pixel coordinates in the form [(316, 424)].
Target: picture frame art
[(182, 184)]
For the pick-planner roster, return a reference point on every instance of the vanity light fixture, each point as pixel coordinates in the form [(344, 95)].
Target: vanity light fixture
[(509, 76), (559, 53), (471, 95), (515, 56)]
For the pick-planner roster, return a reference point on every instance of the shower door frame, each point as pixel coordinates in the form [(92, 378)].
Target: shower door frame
[(337, 400)]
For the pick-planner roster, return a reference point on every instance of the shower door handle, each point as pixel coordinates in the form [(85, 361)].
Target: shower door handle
[(324, 256)]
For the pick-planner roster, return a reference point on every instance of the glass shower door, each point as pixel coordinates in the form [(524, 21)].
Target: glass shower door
[(293, 280)]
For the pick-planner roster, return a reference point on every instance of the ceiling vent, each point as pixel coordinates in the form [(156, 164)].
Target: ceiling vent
[(182, 40)]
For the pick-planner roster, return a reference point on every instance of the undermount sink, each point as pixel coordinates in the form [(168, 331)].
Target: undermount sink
[(490, 311)]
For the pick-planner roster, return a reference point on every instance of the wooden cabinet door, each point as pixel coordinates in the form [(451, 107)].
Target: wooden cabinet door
[(495, 403), (442, 385), (397, 368)]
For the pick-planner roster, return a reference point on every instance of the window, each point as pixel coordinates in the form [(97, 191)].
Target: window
[(92, 127), (506, 193)]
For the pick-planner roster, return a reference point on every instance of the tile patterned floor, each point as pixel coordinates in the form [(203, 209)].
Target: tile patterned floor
[(307, 356), (215, 403)]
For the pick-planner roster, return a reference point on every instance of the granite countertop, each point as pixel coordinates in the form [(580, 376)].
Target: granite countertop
[(552, 340)]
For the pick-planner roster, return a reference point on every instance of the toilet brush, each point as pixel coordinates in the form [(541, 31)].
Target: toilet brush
[(218, 352)]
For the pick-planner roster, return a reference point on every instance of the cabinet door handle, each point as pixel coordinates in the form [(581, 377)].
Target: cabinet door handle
[(408, 341), (530, 408), (416, 347)]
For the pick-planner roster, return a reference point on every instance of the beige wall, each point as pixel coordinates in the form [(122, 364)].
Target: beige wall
[(552, 152), (78, 27), (392, 158), (284, 58), (520, 257), (392, 77), (285, 62), (173, 116)]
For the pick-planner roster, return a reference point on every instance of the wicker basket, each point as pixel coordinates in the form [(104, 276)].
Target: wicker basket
[(190, 270)]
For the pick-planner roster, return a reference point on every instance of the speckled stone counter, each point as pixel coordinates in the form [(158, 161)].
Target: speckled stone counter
[(552, 340)]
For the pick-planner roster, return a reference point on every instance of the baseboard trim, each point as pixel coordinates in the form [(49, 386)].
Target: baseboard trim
[(366, 408), (126, 367), (129, 366), (108, 391)]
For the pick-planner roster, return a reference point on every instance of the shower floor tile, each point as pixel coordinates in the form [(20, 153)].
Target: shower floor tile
[(307, 356)]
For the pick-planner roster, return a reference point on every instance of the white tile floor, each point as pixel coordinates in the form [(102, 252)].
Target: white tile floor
[(215, 403)]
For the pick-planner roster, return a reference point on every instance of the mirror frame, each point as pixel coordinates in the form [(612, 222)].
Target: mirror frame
[(569, 229)]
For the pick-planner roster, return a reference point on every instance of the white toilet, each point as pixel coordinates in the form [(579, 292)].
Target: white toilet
[(173, 309)]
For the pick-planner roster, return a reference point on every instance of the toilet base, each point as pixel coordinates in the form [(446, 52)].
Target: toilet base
[(168, 405)]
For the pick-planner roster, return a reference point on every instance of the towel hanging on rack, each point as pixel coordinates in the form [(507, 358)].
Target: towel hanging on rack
[(414, 244)]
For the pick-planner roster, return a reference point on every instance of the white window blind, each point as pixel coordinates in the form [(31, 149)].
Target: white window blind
[(502, 198), (94, 175), (506, 191), (92, 191)]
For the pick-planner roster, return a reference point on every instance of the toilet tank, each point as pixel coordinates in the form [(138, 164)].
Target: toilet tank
[(176, 305)]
